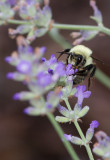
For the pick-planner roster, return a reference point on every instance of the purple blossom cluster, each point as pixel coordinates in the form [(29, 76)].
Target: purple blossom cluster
[(102, 146), (36, 20), (88, 137), (88, 35), (41, 77)]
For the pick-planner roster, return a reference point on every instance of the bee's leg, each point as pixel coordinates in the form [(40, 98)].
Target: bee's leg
[(91, 70), (80, 76), (91, 75), (67, 60)]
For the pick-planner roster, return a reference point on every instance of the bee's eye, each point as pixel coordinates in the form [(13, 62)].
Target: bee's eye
[(79, 57)]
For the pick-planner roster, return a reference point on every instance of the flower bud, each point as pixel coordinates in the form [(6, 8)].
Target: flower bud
[(15, 76), (89, 134), (24, 96)]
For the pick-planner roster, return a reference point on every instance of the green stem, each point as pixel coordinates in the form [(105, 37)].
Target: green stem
[(67, 104), (61, 135), (82, 27), (84, 140), (19, 22), (105, 30), (58, 38), (75, 27), (67, 26), (103, 78), (81, 133)]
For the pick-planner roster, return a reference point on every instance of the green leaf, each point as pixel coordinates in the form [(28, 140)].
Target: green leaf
[(76, 140), (61, 119), (83, 112), (77, 109), (99, 151), (89, 134), (35, 111), (64, 111)]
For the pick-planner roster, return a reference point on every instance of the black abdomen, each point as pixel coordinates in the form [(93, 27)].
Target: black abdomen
[(78, 79)]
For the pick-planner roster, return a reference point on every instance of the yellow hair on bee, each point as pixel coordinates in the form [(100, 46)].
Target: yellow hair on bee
[(82, 50)]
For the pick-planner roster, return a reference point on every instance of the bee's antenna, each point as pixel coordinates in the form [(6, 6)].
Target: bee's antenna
[(98, 60), (63, 52)]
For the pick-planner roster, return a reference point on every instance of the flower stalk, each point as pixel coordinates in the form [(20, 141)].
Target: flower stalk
[(61, 135), (82, 27), (81, 134), (67, 26)]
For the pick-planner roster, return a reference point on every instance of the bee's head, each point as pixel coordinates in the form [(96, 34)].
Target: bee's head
[(67, 50)]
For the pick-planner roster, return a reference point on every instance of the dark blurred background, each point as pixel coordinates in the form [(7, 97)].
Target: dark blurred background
[(23, 137)]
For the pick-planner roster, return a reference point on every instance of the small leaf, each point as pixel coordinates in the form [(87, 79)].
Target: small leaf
[(23, 29), (63, 111), (73, 91), (99, 151), (83, 112), (34, 111), (24, 95), (71, 115), (61, 119), (37, 103), (16, 76), (77, 109), (76, 140), (89, 134)]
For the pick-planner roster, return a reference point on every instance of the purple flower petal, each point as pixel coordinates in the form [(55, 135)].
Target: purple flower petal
[(69, 71), (43, 59), (8, 59), (60, 69), (11, 2), (49, 106), (17, 96), (10, 75), (68, 137), (94, 124), (43, 49), (50, 71), (52, 60), (68, 67), (87, 94), (24, 67), (44, 79), (80, 94)]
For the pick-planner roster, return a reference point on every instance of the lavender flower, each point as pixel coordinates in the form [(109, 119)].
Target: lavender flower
[(102, 147), (81, 93), (40, 77), (88, 35), (94, 124), (68, 137), (11, 2), (39, 18), (69, 70), (24, 67), (73, 139), (44, 79), (10, 75), (90, 132), (52, 60)]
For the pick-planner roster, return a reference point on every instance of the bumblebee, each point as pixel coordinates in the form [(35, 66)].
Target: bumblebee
[(81, 58)]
